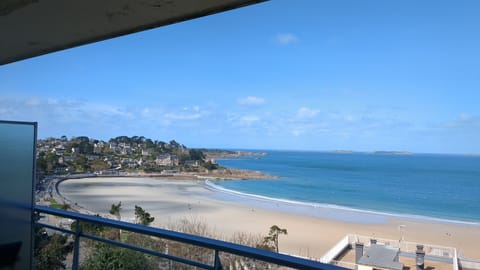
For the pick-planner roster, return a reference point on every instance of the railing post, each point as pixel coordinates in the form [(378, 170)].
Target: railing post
[(76, 245), (217, 263)]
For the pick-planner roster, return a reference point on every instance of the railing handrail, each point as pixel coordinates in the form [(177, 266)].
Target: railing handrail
[(366, 240), (218, 245)]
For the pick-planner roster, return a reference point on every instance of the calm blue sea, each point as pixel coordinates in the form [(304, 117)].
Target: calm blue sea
[(437, 186)]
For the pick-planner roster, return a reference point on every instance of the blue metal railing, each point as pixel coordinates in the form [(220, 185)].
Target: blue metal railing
[(216, 245)]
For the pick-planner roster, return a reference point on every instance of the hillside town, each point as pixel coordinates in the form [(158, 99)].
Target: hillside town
[(83, 154), (135, 155)]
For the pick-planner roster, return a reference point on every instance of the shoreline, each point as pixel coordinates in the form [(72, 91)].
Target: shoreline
[(288, 206), (349, 210), (219, 174), (173, 200)]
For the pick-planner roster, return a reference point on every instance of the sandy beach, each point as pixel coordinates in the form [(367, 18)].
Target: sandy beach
[(311, 231)]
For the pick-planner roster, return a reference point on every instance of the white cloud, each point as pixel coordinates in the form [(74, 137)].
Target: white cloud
[(106, 109), (182, 116), (251, 100), (305, 112), (464, 120), (74, 117), (239, 120), (248, 120), (297, 132), (346, 117), (33, 101), (286, 38), (300, 124), (298, 128), (165, 116), (59, 110)]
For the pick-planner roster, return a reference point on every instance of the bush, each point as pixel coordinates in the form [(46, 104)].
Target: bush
[(113, 258)]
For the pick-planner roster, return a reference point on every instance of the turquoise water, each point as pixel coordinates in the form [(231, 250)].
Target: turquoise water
[(436, 186)]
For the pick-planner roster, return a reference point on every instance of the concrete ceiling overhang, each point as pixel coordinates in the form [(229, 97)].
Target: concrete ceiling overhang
[(29, 28)]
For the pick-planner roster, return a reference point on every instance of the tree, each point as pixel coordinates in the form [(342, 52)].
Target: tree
[(85, 147), (41, 162), (210, 166), (50, 251), (149, 144), (174, 144), (99, 165), (137, 139), (161, 145), (121, 139), (182, 158), (81, 163), (87, 227), (115, 210), (110, 257), (142, 217), (196, 154), (272, 237), (47, 162)]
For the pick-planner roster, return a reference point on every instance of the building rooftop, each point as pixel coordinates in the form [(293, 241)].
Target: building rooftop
[(381, 256)]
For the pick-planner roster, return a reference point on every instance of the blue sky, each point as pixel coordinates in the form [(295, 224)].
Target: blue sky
[(304, 75)]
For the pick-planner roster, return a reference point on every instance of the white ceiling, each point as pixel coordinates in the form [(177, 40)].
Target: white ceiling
[(30, 28)]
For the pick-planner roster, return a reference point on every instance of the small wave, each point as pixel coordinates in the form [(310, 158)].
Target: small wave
[(212, 186)]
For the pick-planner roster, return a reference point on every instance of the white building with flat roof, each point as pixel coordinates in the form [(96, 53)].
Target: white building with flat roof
[(380, 257)]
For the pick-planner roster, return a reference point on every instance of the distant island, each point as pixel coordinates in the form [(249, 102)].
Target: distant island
[(136, 156), (343, 151), (393, 153), (374, 152)]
